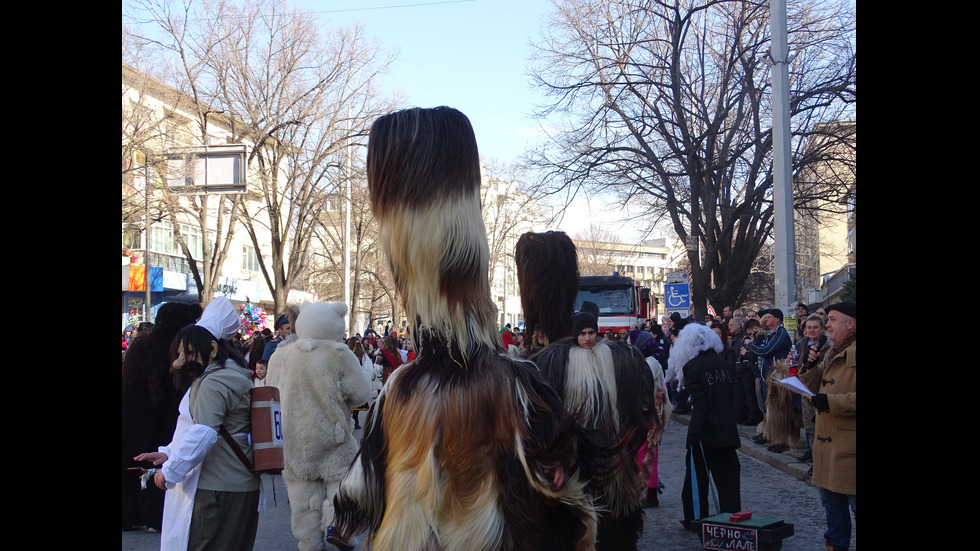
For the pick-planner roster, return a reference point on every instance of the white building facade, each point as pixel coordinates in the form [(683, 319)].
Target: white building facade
[(158, 120)]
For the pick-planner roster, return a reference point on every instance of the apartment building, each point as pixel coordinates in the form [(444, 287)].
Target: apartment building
[(158, 124), (826, 246), (648, 263)]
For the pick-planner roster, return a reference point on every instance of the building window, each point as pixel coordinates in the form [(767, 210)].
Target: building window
[(162, 240), (250, 261), (192, 237)]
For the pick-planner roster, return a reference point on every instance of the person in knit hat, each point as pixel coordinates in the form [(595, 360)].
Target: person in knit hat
[(586, 329), (610, 388)]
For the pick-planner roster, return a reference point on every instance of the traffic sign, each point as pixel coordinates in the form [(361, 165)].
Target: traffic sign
[(677, 296)]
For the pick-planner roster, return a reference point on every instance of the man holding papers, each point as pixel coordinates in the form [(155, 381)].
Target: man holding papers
[(835, 442)]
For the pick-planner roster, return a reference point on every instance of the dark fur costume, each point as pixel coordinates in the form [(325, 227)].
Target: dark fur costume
[(465, 448), (611, 393), (149, 410), (614, 400), (547, 269)]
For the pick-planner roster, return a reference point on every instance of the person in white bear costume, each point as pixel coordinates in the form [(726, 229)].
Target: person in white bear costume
[(321, 381)]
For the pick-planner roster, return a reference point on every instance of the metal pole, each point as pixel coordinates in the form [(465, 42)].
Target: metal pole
[(785, 242), (349, 317), (146, 252)]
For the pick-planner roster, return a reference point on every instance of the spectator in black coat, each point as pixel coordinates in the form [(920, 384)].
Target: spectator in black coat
[(712, 435)]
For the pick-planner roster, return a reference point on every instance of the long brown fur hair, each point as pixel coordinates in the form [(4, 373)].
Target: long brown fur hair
[(465, 447), (782, 424), (424, 177)]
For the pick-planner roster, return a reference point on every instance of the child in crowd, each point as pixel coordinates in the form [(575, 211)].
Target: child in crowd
[(261, 370)]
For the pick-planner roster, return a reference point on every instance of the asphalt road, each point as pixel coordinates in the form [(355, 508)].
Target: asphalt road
[(767, 490)]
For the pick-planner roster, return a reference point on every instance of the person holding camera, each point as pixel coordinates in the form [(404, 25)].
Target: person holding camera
[(746, 373)]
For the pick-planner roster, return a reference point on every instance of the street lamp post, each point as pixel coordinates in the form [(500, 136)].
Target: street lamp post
[(785, 242)]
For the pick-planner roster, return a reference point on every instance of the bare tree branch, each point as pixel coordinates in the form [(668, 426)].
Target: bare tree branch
[(666, 105)]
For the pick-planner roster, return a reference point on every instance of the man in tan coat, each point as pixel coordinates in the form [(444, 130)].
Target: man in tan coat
[(835, 438)]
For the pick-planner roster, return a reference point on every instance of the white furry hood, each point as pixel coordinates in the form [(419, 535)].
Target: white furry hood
[(691, 341)]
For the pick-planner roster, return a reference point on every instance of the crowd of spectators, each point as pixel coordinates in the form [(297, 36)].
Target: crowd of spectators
[(758, 345)]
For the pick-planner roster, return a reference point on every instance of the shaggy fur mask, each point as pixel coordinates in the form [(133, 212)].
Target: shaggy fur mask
[(321, 321), (693, 339)]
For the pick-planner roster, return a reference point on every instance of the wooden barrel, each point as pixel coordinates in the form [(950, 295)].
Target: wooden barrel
[(266, 430)]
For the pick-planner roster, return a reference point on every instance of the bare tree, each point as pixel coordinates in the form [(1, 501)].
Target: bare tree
[(308, 102), (667, 104), (153, 122), (301, 97), (169, 30), (595, 255), (143, 134), (508, 211), (761, 284), (368, 271)]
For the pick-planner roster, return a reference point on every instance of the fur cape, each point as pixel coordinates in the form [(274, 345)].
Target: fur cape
[(466, 448), (611, 391)]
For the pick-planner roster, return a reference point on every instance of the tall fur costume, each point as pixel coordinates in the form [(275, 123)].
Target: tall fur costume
[(783, 423), (611, 391), (466, 448), (547, 269), (149, 410), (321, 381)]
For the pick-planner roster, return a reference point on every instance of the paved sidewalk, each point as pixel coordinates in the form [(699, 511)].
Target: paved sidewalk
[(771, 493), (786, 461)]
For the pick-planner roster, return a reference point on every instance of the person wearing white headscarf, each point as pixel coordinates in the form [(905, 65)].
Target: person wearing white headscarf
[(712, 435)]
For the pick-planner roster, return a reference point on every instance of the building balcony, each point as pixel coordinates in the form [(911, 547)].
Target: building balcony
[(833, 285)]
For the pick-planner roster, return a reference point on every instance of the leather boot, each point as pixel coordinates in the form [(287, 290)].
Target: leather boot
[(833, 548)]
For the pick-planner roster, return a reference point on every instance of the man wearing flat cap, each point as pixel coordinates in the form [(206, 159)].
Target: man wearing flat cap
[(283, 329), (775, 346), (835, 431)]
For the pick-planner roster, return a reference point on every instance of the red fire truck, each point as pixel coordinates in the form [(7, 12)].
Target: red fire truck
[(622, 302)]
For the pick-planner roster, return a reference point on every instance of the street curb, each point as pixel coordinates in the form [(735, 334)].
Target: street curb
[(784, 461)]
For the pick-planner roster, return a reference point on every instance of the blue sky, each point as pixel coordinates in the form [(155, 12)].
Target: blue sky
[(472, 55), (468, 54)]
